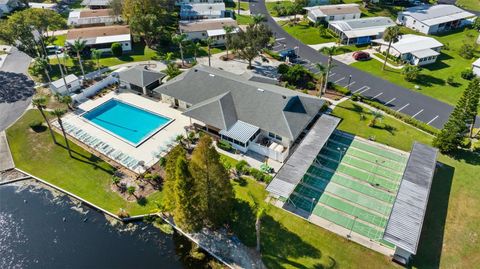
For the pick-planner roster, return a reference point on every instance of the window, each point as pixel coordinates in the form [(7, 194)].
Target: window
[(277, 137), (331, 18)]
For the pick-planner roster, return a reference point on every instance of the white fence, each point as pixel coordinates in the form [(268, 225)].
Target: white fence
[(272, 154), (92, 90)]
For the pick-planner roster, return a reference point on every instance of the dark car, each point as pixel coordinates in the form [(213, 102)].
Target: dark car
[(361, 55), (290, 53)]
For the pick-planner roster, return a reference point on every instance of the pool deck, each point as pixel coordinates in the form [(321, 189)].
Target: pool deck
[(145, 151)]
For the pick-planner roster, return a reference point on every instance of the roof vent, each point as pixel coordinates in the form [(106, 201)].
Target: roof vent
[(284, 97), (260, 90), (195, 70), (212, 75)]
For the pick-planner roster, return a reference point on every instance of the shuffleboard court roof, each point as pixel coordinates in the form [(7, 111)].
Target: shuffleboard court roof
[(406, 219), (297, 165)]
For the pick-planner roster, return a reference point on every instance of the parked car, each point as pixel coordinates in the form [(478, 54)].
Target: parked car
[(361, 55), (51, 50), (290, 53)]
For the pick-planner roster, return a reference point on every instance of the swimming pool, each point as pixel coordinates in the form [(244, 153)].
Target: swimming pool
[(129, 123)]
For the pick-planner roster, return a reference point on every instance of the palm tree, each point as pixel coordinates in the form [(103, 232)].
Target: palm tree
[(96, 55), (131, 191), (228, 35), (257, 19), (179, 39), (67, 100), (209, 42), (390, 35), (61, 69), (40, 102), (59, 113), (78, 46), (329, 51), (115, 180), (41, 63), (376, 116), (322, 73), (258, 225), (196, 47)]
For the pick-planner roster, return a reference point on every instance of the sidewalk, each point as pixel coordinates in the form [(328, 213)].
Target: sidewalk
[(6, 160)]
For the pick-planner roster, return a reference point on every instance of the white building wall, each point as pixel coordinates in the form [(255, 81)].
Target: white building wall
[(180, 2), (476, 70), (202, 35), (413, 24)]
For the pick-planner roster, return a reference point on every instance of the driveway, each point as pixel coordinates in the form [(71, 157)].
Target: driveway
[(420, 107), (16, 88)]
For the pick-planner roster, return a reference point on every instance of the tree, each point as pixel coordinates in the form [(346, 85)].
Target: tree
[(228, 36), (185, 214), (329, 51), (322, 31), (410, 72), (131, 191), (40, 65), (213, 186), (467, 51), (116, 49), (115, 180), (195, 47), (258, 18), (150, 20), (390, 35), (170, 177), (172, 71), (179, 39), (464, 113), (252, 41), (296, 8), (322, 73), (59, 113), (116, 7), (209, 42), (96, 55), (78, 46), (28, 29), (67, 100), (40, 102), (476, 24), (376, 116)]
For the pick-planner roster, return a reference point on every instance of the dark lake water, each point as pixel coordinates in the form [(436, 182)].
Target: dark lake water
[(33, 234)]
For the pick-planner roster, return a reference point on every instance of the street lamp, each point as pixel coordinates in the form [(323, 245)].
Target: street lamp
[(313, 202), (349, 235), (348, 85), (342, 152)]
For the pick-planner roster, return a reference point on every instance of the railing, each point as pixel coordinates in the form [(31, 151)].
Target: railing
[(270, 153)]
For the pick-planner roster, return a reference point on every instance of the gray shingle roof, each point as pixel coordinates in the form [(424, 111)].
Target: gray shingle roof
[(220, 98), (140, 76), (406, 219)]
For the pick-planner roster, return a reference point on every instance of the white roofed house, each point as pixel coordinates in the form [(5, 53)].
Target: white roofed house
[(360, 31), (140, 79), (203, 29), (199, 11), (96, 4), (95, 17), (333, 12), (181, 2), (50, 6), (415, 49), (431, 19), (102, 37)]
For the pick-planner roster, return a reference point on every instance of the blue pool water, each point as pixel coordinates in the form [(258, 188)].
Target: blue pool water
[(125, 121)]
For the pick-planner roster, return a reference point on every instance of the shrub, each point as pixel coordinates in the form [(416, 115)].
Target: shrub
[(162, 162), (241, 167), (256, 174), (410, 72), (467, 74), (467, 51), (450, 80), (283, 68), (35, 125), (310, 85), (297, 75), (223, 144), (117, 50), (342, 90), (273, 54)]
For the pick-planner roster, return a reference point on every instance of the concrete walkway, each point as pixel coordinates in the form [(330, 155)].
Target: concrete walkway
[(324, 45), (372, 54), (6, 160)]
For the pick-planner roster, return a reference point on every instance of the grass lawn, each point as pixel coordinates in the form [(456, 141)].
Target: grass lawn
[(233, 5), (432, 79), (307, 34), (469, 4), (84, 175), (243, 19), (270, 6), (450, 236), (60, 40)]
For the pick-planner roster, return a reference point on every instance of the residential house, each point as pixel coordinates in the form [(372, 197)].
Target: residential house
[(415, 49), (181, 2), (431, 19), (203, 29), (50, 6), (140, 79), (73, 84), (327, 13), (200, 11), (476, 67), (251, 116), (96, 4), (7, 6), (360, 31), (92, 17), (102, 37)]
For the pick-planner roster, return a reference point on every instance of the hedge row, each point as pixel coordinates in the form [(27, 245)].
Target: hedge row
[(403, 117)]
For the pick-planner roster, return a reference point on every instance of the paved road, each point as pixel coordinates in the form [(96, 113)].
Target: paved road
[(10, 110), (421, 107)]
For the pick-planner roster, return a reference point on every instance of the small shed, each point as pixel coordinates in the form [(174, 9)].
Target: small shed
[(140, 79), (72, 82)]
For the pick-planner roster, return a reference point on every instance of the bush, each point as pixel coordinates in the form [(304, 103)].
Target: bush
[(310, 85), (411, 72), (467, 74), (283, 68), (467, 51), (256, 174), (162, 162), (273, 54), (450, 80), (297, 75), (241, 167), (223, 144), (117, 50), (342, 90), (35, 125)]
